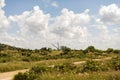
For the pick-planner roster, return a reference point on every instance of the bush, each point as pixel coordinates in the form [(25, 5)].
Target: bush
[(65, 67), (116, 63), (26, 54), (65, 49), (39, 69), (116, 51), (90, 49), (4, 55), (25, 76), (4, 60), (109, 50), (26, 59), (91, 66), (35, 57), (104, 66)]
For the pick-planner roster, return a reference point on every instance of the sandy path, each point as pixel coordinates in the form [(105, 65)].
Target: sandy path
[(81, 62), (10, 75)]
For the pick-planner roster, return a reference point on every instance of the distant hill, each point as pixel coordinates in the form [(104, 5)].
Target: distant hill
[(9, 47)]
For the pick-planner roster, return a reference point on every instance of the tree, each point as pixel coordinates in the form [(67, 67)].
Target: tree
[(65, 49), (116, 51), (90, 49), (109, 50)]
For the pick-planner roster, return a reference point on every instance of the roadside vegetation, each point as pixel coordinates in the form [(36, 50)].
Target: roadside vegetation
[(61, 64)]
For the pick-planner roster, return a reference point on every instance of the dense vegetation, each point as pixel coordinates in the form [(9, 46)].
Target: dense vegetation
[(52, 64)]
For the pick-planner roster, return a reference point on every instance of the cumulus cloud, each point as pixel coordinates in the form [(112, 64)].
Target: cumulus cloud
[(4, 23), (71, 25), (110, 14), (35, 26), (32, 22), (36, 29)]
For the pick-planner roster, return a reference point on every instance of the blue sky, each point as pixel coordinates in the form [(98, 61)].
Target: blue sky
[(76, 24), (14, 7)]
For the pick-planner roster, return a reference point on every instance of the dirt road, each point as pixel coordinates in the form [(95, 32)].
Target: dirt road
[(81, 62), (10, 75)]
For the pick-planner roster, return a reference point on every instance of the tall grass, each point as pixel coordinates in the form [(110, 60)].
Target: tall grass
[(112, 75), (11, 66), (86, 76)]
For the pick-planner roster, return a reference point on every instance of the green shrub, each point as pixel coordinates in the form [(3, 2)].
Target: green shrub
[(109, 50), (39, 69), (21, 76), (26, 59), (25, 76), (65, 67), (91, 66), (104, 66), (4, 55), (35, 57), (4, 60), (65, 49), (26, 54), (90, 49), (115, 62), (116, 51)]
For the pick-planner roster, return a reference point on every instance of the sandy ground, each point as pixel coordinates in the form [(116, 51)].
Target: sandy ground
[(10, 75)]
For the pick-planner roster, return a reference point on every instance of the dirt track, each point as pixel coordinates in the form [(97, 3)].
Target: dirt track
[(81, 62), (10, 75)]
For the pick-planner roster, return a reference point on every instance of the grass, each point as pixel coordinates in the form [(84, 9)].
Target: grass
[(69, 71), (12, 66), (112, 75), (17, 65), (48, 64)]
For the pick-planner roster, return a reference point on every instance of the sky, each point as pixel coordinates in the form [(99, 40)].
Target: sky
[(74, 23)]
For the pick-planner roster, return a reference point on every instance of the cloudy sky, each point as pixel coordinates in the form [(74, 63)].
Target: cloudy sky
[(73, 23)]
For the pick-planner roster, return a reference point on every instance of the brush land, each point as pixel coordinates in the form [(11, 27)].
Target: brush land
[(61, 64)]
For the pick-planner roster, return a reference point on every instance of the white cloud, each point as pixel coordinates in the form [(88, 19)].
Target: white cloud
[(69, 28), (71, 25), (32, 22), (4, 23), (54, 4), (110, 14), (36, 30), (33, 28), (2, 3)]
